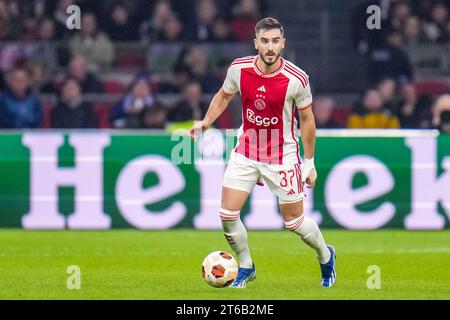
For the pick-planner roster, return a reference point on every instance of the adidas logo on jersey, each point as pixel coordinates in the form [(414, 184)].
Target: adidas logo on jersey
[(262, 89), (290, 193)]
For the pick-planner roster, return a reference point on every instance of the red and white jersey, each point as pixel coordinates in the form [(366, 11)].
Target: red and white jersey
[(269, 130)]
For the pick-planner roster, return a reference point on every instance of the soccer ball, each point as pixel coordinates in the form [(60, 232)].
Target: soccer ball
[(219, 269)]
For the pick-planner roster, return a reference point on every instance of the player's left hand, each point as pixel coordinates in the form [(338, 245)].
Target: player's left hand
[(309, 173)]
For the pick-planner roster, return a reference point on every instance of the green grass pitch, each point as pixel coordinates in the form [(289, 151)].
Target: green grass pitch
[(132, 264)]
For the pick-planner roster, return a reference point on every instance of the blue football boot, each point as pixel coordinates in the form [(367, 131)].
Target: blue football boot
[(244, 276), (329, 269)]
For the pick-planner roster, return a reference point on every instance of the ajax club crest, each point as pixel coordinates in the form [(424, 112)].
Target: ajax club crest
[(260, 104)]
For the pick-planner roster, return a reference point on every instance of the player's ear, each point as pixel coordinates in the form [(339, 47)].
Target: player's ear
[(255, 41), (283, 43)]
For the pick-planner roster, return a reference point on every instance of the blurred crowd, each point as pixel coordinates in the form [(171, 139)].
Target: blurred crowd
[(135, 20), (387, 105), (410, 30), (40, 56)]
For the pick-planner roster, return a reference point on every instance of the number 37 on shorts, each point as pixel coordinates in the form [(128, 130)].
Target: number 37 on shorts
[(291, 178)]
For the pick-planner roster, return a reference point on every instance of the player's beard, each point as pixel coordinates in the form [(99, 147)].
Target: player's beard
[(268, 63)]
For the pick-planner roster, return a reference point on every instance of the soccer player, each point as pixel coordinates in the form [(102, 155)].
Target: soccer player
[(267, 150)]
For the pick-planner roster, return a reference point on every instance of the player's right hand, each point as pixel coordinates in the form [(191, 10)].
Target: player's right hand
[(197, 130)]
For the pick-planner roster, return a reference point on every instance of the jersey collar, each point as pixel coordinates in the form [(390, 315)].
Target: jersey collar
[(267, 75)]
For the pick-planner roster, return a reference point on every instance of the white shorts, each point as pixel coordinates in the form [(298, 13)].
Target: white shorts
[(284, 180)]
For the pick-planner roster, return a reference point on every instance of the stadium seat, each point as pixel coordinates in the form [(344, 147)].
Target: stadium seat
[(46, 115), (340, 114), (130, 59), (102, 111), (113, 86), (432, 88)]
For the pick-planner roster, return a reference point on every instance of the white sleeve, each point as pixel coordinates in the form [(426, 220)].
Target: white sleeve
[(230, 85), (303, 98)]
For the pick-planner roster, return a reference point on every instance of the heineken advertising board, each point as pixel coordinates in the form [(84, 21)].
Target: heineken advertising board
[(151, 180)]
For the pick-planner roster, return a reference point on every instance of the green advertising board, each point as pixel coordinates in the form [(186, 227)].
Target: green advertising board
[(153, 180)]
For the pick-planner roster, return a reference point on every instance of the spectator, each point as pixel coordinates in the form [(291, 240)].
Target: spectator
[(444, 126), (24, 8), (29, 32), (200, 28), (414, 39), (172, 29), (390, 60), (19, 106), (323, 113), (400, 11), (127, 113), (412, 111), (10, 31), (221, 31), (78, 70), (180, 77), (10, 24), (154, 117), (39, 81), (44, 51), (435, 28), (137, 9), (92, 44), (191, 106), (245, 16), (120, 27), (72, 111), (150, 29), (214, 79), (387, 88), (441, 105), (412, 32), (195, 59), (11, 55), (371, 114)]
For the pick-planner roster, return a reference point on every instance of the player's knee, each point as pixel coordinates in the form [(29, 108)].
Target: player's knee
[(294, 223), (229, 215), (291, 210)]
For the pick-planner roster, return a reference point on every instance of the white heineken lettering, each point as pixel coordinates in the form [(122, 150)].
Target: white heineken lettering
[(132, 198), (341, 198), (260, 121), (427, 188), (46, 177)]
